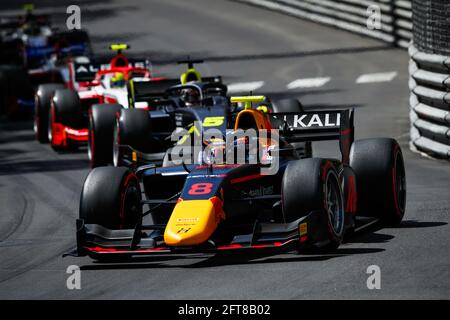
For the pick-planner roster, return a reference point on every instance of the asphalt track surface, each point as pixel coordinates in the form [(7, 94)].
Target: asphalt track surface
[(40, 189)]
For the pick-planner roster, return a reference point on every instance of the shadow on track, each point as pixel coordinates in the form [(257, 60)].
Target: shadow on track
[(21, 167), (419, 224), (162, 58), (167, 57), (226, 259), (369, 235)]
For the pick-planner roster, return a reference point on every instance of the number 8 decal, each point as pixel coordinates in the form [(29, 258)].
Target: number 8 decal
[(200, 188)]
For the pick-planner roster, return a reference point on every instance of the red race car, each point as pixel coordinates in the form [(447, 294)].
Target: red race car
[(62, 113)]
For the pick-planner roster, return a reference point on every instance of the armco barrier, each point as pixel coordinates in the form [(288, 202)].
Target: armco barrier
[(427, 24), (352, 15), (430, 103)]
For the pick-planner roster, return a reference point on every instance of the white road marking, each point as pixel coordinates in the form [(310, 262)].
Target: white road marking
[(244, 86), (376, 77), (308, 83)]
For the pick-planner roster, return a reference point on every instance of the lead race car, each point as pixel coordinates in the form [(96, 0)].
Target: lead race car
[(208, 207)]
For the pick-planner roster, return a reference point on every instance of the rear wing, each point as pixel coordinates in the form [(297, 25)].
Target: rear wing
[(150, 90), (139, 91), (87, 71), (318, 126)]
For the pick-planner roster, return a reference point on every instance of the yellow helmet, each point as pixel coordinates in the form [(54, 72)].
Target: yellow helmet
[(118, 80)]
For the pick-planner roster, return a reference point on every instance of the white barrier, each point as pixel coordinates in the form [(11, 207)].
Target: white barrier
[(430, 103), (352, 15), (429, 73)]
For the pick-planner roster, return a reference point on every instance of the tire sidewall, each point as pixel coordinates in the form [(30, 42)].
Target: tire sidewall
[(104, 198)]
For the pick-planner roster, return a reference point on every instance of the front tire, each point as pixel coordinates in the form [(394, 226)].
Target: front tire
[(65, 109), (312, 185), (111, 197), (102, 120), (42, 104)]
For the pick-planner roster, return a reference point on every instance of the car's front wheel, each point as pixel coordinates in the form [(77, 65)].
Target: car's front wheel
[(111, 197), (312, 186)]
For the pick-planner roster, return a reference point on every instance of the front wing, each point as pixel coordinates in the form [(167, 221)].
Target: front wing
[(99, 242)]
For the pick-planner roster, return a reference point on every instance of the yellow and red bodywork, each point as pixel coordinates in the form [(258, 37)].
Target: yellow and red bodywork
[(193, 221), (261, 118)]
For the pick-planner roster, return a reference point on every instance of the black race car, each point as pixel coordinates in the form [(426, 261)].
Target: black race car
[(143, 135), (278, 201)]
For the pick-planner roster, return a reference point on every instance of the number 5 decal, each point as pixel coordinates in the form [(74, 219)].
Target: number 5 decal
[(200, 188), (213, 121)]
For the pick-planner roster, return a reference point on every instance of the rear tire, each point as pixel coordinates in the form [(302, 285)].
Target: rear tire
[(102, 120), (133, 129), (313, 185), (42, 104), (111, 197), (381, 181)]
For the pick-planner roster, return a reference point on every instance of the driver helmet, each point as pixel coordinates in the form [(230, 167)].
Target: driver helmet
[(190, 96), (118, 80)]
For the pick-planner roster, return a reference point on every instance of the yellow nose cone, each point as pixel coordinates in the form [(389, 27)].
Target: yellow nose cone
[(192, 222)]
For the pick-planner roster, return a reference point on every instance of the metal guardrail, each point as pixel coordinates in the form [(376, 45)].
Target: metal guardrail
[(429, 72), (352, 15), (430, 103)]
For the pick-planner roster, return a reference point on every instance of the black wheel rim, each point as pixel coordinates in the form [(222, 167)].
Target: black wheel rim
[(90, 142), (400, 183), (334, 203), (116, 148), (131, 210), (36, 118), (49, 127)]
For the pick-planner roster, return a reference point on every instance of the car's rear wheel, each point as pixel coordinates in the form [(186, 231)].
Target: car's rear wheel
[(312, 185), (111, 197), (102, 120), (42, 104), (133, 128), (381, 180)]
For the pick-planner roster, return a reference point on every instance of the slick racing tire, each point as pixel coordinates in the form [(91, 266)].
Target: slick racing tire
[(312, 185), (381, 181), (65, 109), (133, 128), (42, 104), (102, 120), (304, 149), (111, 197)]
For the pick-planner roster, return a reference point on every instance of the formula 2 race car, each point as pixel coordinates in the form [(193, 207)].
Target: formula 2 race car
[(61, 115), (32, 52), (193, 103), (154, 110), (210, 207)]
